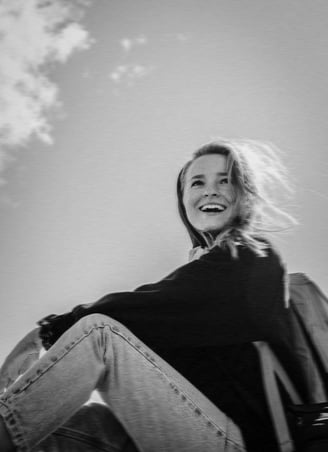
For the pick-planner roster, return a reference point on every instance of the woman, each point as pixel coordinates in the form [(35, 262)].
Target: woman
[(196, 326)]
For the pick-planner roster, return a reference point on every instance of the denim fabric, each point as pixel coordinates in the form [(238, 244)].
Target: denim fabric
[(158, 408), (92, 429)]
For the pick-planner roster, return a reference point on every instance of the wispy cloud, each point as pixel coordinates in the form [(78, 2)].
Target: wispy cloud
[(33, 34), (128, 71), (128, 44), (182, 37)]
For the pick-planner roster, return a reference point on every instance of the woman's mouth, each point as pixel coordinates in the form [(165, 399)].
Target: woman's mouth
[(213, 208)]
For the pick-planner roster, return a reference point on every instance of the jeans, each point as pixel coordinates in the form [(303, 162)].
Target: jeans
[(92, 429), (155, 405)]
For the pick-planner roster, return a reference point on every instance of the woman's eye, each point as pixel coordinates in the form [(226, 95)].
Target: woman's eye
[(224, 181), (196, 182)]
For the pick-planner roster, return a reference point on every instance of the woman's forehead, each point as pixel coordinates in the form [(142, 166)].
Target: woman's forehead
[(207, 165)]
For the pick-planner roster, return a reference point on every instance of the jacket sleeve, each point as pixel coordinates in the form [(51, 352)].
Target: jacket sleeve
[(215, 300)]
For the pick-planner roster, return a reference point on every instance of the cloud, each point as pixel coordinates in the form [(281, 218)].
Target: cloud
[(129, 73), (129, 43), (33, 34), (126, 43), (183, 37)]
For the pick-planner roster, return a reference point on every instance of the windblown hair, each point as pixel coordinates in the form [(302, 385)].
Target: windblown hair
[(261, 185)]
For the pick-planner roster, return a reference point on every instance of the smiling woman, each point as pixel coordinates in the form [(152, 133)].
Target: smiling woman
[(173, 360), (231, 193), (208, 194)]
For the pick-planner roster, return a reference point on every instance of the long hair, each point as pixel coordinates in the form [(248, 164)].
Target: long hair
[(261, 185)]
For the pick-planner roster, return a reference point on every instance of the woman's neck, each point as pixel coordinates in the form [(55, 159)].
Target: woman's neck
[(209, 239)]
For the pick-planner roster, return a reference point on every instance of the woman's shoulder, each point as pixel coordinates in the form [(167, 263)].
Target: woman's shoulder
[(268, 249), (246, 254), (270, 266)]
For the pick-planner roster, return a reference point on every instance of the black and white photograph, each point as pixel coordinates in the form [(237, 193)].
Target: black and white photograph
[(164, 224)]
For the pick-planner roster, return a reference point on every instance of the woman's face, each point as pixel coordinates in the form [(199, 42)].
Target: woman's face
[(208, 195)]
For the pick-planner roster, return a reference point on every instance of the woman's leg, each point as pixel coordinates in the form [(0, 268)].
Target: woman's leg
[(157, 407), (93, 428), (5, 439)]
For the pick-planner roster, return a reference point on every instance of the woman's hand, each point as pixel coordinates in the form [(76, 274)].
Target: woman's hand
[(24, 354)]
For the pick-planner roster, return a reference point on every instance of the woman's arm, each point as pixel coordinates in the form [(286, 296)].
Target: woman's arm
[(215, 300)]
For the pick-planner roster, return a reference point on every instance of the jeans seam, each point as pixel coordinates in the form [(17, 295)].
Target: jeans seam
[(183, 395), (14, 428)]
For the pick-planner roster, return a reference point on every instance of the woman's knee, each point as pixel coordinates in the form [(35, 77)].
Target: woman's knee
[(90, 329), (101, 327), (96, 320)]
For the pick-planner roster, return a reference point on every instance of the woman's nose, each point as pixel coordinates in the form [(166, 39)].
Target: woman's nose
[(211, 190)]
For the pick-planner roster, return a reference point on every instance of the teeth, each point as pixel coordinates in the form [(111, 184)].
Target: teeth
[(213, 207)]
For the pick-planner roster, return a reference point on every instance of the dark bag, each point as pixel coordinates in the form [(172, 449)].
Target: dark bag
[(310, 425)]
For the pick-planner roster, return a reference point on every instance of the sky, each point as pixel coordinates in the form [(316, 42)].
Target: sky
[(101, 104)]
